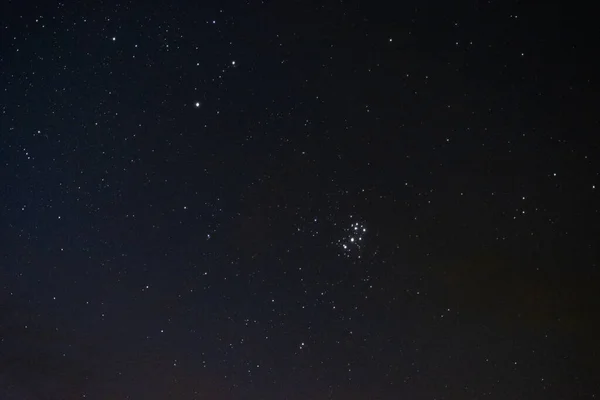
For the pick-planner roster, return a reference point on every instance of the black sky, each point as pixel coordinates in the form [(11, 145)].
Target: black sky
[(298, 200)]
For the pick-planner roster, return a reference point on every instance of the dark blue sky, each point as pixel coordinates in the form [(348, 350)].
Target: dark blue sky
[(298, 200)]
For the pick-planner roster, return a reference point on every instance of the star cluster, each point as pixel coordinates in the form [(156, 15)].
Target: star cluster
[(353, 240)]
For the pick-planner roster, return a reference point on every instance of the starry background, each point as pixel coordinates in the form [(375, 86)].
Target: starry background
[(298, 200)]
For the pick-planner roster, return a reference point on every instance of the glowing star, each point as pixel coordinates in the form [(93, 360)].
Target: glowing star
[(197, 104)]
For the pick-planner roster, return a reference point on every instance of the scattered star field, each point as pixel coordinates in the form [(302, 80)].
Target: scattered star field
[(298, 200)]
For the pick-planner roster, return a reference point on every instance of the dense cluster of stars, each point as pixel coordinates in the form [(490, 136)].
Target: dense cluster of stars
[(353, 240)]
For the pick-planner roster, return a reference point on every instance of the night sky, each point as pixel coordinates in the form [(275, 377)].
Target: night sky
[(299, 200)]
